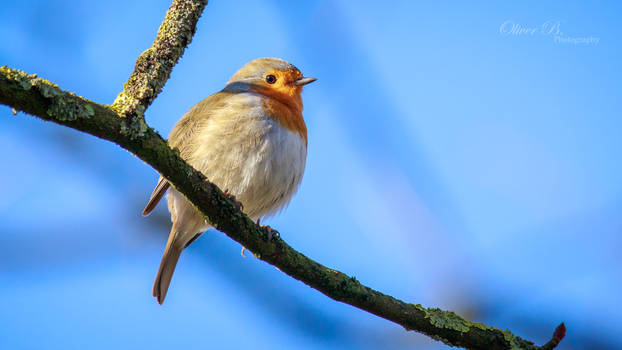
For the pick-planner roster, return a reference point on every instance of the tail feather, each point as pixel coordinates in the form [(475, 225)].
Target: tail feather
[(167, 267), (157, 194)]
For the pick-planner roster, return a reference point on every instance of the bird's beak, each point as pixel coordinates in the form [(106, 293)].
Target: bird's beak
[(304, 81)]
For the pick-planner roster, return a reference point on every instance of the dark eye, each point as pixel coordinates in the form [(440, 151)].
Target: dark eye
[(270, 79)]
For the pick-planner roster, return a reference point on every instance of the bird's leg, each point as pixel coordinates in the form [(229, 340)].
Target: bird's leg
[(271, 232), (238, 205)]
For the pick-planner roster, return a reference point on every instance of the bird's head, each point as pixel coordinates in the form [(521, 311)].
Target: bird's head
[(271, 77)]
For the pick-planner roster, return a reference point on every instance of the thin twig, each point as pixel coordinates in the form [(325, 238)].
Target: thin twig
[(558, 335), (154, 66)]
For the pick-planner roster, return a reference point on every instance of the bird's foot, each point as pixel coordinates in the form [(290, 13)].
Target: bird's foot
[(271, 232), (238, 204)]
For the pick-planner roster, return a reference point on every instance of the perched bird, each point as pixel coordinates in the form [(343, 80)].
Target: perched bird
[(249, 139)]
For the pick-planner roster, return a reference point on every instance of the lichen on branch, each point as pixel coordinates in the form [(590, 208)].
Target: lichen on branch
[(60, 105), (154, 66)]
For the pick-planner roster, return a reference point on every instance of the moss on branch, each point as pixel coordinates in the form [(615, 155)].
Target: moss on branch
[(154, 66), (41, 98)]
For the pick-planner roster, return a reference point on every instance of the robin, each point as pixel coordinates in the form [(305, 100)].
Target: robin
[(250, 139)]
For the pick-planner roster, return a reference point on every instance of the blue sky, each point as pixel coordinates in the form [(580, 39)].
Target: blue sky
[(451, 163)]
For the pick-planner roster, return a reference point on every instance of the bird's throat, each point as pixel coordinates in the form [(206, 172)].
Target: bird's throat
[(285, 106), (287, 115)]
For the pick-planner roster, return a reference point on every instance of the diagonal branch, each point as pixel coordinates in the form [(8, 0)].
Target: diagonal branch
[(45, 100), (154, 66)]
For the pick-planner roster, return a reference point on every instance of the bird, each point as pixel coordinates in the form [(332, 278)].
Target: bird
[(250, 139)]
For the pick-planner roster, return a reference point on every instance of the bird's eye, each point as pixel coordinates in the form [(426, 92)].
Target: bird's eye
[(270, 79)]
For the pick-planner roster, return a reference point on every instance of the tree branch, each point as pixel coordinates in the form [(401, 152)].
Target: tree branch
[(45, 100), (154, 66)]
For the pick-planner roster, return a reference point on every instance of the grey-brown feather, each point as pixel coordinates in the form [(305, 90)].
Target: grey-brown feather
[(171, 255), (156, 195), (237, 146), (184, 130)]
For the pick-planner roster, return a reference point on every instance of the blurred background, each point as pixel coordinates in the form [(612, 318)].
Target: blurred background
[(462, 156)]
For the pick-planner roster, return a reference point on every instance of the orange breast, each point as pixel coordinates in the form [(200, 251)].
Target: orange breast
[(285, 107), (288, 118)]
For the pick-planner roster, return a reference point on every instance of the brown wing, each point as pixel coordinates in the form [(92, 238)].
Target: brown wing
[(180, 136), (193, 121), (157, 194)]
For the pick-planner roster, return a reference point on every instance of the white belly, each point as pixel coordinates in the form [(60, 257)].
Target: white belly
[(264, 173), (253, 157)]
